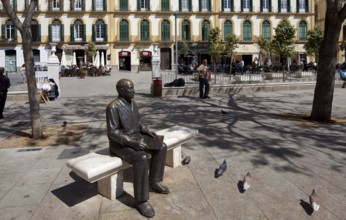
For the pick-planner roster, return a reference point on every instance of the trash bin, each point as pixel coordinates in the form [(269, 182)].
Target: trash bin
[(157, 87)]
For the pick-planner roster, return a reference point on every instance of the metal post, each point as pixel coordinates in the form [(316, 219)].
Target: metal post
[(176, 46)]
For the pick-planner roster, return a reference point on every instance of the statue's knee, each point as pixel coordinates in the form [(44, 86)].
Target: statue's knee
[(143, 157), (164, 146)]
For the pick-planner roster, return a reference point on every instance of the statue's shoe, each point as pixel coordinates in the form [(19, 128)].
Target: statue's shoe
[(145, 209), (158, 188)]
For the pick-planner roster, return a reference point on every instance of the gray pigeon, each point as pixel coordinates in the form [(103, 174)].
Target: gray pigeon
[(247, 180), (315, 200), (221, 169)]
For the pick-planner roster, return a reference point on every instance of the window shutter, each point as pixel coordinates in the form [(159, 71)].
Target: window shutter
[(15, 32), (200, 5), (279, 8), (179, 5), (288, 6), (190, 5), (261, 5), (84, 32), (62, 33), (3, 30), (61, 5), (93, 32), (250, 5), (50, 6), (72, 32), (83, 5), (222, 5), (298, 5), (149, 5), (15, 5), (105, 34), (93, 5), (39, 32), (138, 5), (241, 5), (105, 6), (270, 5), (71, 5), (209, 5), (232, 5), (306, 5), (49, 33)]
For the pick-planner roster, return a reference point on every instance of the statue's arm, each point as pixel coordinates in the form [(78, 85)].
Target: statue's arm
[(114, 131)]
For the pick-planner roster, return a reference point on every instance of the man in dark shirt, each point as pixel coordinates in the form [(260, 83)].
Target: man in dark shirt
[(129, 139), (4, 85)]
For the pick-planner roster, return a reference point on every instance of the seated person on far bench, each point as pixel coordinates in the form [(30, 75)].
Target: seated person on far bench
[(130, 140)]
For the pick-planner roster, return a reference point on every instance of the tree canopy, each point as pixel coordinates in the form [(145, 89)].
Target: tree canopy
[(312, 46), (283, 42)]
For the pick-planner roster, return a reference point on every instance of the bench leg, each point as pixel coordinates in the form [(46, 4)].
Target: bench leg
[(111, 187), (173, 158)]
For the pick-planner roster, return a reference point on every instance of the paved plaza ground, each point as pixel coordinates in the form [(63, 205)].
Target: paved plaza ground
[(262, 133)]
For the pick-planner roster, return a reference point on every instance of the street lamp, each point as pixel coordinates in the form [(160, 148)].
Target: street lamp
[(176, 44)]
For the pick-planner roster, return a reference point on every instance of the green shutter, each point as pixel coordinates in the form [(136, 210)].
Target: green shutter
[(105, 33), (138, 5), (84, 32), (279, 6), (261, 5), (39, 32), (222, 5), (200, 5), (93, 5), (15, 32), (306, 5), (105, 5), (15, 5), (62, 33), (149, 5), (270, 5), (288, 6), (298, 5), (179, 5), (72, 32), (250, 5), (232, 5), (94, 32), (209, 5), (83, 5), (190, 5), (61, 5), (71, 5), (50, 6), (49, 33), (241, 5), (3, 30)]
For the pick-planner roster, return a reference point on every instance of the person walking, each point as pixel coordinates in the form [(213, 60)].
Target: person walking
[(241, 65), (203, 80), (4, 85), (23, 73)]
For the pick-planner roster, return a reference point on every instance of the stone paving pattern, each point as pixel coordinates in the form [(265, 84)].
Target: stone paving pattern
[(262, 133)]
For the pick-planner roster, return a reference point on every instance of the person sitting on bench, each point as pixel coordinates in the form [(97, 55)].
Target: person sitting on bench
[(130, 140)]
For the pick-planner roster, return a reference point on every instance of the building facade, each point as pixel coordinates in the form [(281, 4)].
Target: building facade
[(126, 30)]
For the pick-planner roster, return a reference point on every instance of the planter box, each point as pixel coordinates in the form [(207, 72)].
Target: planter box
[(249, 78)]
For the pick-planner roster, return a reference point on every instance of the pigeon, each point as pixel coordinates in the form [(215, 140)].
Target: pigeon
[(221, 169), (186, 160), (314, 200), (223, 112), (247, 180), (64, 124)]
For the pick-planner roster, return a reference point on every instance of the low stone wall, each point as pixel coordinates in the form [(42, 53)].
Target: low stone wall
[(17, 96)]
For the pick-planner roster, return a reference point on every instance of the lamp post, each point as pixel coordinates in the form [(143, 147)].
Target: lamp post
[(176, 44)]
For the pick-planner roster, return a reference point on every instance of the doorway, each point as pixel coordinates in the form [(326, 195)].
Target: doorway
[(125, 60), (166, 58), (10, 61)]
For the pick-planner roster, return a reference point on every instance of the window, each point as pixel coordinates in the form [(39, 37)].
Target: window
[(124, 30), (164, 5), (78, 5), (165, 31), (284, 5), (124, 5), (227, 5), (205, 30), (56, 31), (247, 36), (302, 5), (204, 5), (98, 5), (266, 30), (185, 5), (302, 31), (265, 5), (145, 30), (144, 5), (227, 29), (35, 31), (55, 5), (246, 5), (9, 31), (78, 31), (185, 30), (99, 30)]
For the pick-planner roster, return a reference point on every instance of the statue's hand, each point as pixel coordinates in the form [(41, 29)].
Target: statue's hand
[(138, 146), (149, 133)]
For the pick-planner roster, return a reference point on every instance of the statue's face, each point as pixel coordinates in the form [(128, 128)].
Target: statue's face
[(128, 91)]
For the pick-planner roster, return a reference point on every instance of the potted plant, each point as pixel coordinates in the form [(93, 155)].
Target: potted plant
[(82, 73)]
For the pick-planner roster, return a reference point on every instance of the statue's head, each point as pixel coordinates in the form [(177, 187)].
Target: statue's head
[(125, 89)]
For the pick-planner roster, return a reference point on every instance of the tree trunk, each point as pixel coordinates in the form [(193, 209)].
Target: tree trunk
[(324, 90), (36, 124)]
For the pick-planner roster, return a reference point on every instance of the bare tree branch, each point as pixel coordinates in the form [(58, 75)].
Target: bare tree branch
[(30, 12), (11, 13), (342, 13)]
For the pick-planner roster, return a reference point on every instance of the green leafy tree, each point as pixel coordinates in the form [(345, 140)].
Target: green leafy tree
[(230, 45), (24, 28), (264, 45), (283, 42), (185, 49), (92, 50), (324, 90), (312, 46), (215, 46)]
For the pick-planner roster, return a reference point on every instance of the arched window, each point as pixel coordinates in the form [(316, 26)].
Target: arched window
[(124, 30), (144, 30), (78, 31), (99, 31), (185, 30), (165, 31), (302, 31), (266, 32), (56, 31), (205, 30), (35, 31), (247, 35), (227, 29)]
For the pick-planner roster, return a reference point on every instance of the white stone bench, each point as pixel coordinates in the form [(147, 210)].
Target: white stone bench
[(305, 74), (272, 76), (108, 170)]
